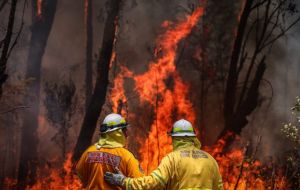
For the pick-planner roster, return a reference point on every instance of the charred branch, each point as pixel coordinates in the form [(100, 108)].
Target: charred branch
[(40, 32), (14, 109), (2, 4), (230, 92), (283, 32), (248, 105), (251, 101), (89, 51), (266, 28), (6, 44), (99, 93)]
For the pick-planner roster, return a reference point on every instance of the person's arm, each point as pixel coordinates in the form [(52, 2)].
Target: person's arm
[(133, 168), (217, 181), (156, 180), (81, 168)]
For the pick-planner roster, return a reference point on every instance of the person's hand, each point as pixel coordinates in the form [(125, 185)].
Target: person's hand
[(114, 178)]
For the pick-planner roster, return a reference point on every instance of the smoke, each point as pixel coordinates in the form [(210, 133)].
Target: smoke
[(279, 91), (139, 25)]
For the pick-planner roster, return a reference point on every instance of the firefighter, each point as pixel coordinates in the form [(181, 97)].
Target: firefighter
[(187, 167), (107, 154)]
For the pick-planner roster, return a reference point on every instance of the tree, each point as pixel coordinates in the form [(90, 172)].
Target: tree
[(99, 93), (231, 60), (42, 20), (206, 53), (89, 51), (7, 45), (262, 23)]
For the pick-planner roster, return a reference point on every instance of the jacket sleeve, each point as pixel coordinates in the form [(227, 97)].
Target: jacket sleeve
[(81, 168), (133, 168), (217, 181), (156, 180)]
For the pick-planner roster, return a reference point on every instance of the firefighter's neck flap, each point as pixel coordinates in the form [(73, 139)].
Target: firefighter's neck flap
[(114, 139), (184, 142)]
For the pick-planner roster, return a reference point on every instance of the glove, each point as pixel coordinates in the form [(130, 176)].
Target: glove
[(114, 178)]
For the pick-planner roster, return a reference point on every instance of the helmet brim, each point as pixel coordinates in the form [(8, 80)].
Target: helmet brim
[(114, 129), (183, 134)]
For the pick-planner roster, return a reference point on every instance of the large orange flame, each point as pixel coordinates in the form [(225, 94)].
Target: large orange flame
[(238, 172), (57, 178), (151, 88)]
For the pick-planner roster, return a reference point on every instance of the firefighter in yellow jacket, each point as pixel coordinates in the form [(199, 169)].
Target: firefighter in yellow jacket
[(186, 168), (107, 154)]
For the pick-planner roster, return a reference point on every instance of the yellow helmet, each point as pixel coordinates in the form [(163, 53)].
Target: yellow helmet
[(183, 128)]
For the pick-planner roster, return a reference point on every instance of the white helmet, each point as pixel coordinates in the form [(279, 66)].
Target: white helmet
[(112, 122), (183, 128)]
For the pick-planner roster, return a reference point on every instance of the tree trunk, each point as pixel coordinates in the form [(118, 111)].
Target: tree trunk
[(7, 42), (98, 97), (41, 27), (231, 86), (89, 52), (2, 4), (248, 105), (216, 44)]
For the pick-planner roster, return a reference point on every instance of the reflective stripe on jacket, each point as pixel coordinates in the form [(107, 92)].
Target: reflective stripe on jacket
[(188, 168)]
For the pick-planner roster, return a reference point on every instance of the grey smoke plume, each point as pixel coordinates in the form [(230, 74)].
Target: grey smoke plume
[(279, 90)]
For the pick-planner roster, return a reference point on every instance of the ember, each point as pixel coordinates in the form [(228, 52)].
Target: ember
[(39, 8)]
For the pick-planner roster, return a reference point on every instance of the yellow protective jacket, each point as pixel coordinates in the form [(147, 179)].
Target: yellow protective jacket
[(103, 157), (186, 168)]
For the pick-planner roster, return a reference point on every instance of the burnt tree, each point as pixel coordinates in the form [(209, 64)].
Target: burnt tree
[(88, 51), (42, 21), (206, 52), (6, 44), (2, 4), (216, 42), (262, 23), (99, 93)]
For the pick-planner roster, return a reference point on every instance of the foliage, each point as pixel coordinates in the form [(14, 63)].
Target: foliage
[(291, 129), (292, 157)]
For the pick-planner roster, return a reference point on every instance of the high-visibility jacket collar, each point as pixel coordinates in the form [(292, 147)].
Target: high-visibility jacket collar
[(184, 142), (114, 139)]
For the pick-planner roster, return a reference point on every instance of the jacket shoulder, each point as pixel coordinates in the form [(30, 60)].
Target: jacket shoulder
[(91, 148), (128, 153)]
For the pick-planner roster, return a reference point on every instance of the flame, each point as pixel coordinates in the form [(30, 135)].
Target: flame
[(112, 59), (39, 8), (118, 93), (240, 173), (57, 178), (152, 89)]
